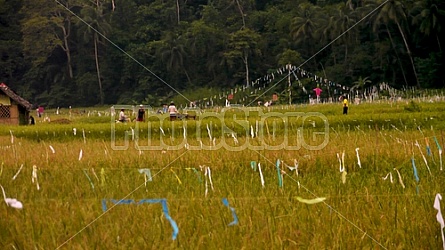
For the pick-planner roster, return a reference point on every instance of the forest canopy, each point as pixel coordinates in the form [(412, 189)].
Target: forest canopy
[(84, 52)]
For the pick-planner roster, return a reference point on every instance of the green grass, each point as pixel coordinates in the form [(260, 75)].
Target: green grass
[(365, 212)]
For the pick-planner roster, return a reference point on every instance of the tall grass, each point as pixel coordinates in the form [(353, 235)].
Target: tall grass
[(362, 213)]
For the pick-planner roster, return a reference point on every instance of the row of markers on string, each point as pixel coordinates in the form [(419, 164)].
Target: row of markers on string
[(255, 166)]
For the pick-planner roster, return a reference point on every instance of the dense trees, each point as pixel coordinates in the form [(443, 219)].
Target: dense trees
[(88, 52)]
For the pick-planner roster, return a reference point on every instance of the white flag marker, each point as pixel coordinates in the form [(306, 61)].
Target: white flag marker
[(261, 174), (34, 177), (358, 158), (439, 216), (11, 201)]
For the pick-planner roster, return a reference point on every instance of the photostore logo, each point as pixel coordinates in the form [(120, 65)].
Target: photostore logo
[(233, 129)]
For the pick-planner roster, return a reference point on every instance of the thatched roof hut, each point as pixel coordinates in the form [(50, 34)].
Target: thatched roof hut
[(14, 110)]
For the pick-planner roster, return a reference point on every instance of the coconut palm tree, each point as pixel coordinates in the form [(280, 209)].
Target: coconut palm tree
[(394, 11), (360, 84), (430, 17), (97, 27)]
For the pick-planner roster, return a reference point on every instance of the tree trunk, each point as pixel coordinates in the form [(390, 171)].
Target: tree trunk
[(409, 54), (246, 65), (177, 10), (96, 56), (398, 58), (66, 48)]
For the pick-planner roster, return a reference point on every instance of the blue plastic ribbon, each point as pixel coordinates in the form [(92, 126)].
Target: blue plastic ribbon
[(415, 170), (150, 201), (235, 218), (280, 181), (197, 174), (437, 144), (89, 179), (416, 176), (253, 165)]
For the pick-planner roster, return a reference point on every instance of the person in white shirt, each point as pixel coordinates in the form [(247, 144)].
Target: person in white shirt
[(122, 116), (172, 111)]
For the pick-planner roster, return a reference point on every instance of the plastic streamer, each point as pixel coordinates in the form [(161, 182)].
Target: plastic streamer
[(34, 177), (52, 149), (439, 216), (177, 177), (261, 174), (11, 201), (280, 178), (198, 174), (235, 218), (89, 179), (358, 158), (400, 177), (147, 174), (253, 165), (235, 140), (208, 132), (416, 176), (208, 173), (150, 201), (18, 172), (341, 161), (424, 158), (428, 149), (440, 152), (386, 177), (162, 131), (311, 201)]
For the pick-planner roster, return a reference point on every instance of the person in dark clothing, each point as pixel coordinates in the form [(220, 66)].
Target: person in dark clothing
[(141, 114)]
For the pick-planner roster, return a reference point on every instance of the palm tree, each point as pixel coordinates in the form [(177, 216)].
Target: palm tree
[(394, 11), (429, 17), (173, 53), (360, 84), (96, 28), (305, 26), (339, 22)]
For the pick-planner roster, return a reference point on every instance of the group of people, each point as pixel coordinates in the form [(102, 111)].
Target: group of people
[(172, 110), (140, 115)]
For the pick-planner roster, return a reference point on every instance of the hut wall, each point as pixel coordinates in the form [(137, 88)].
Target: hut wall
[(12, 118)]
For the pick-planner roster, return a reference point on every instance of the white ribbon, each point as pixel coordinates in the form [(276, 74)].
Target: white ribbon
[(261, 174), (34, 177), (208, 132), (52, 149), (386, 177), (400, 177), (423, 156), (18, 172), (358, 158), (11, 201), (439, 216)]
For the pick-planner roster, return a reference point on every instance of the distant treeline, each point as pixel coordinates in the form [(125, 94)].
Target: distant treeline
[(92, 52)]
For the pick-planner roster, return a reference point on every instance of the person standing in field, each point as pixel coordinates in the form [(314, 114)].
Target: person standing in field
[(345, 105), (141, 114), (318, 91), (172, 111)]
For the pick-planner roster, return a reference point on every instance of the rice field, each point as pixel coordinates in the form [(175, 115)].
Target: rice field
[(315, 180)]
